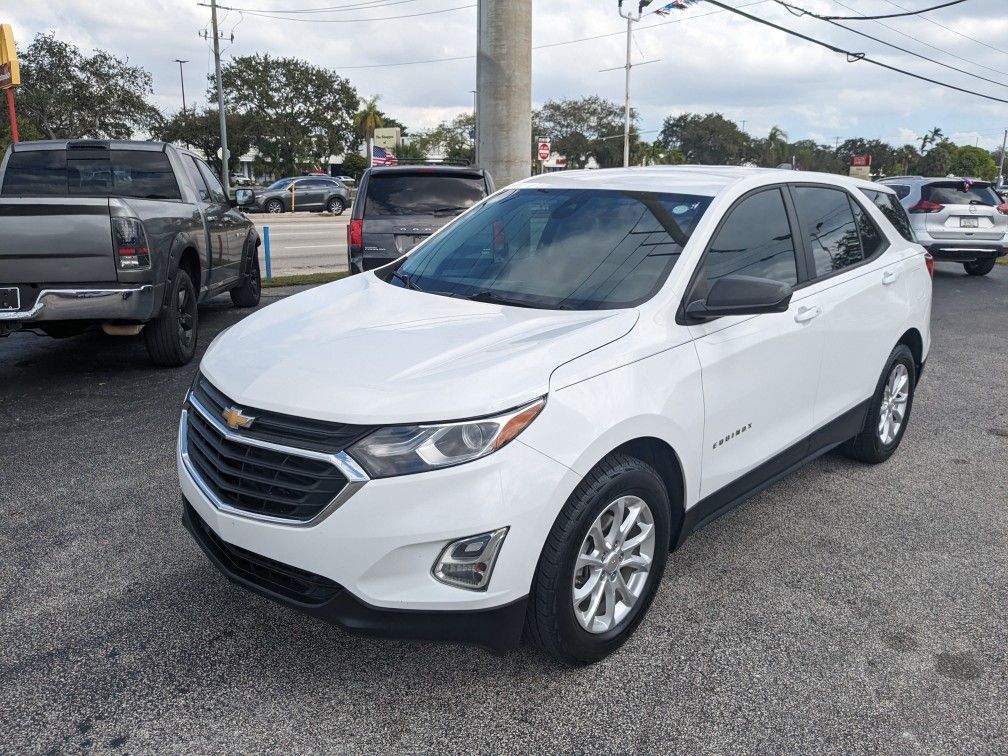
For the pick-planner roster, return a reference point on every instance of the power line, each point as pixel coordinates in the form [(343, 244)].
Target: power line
[(851, 56), (369, 5), (544, 46), (345, 20), (795, 10), (948, 28), (887, 15), (926, 44)]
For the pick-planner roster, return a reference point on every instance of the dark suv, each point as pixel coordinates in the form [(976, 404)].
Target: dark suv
[(398, 207), (312, 193)]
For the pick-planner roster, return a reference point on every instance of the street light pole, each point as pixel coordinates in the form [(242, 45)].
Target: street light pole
[(1004, 143), (475, 129), (181, 81), (220, 100)]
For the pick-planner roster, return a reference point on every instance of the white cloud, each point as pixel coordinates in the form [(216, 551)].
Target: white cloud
[(717, 62)]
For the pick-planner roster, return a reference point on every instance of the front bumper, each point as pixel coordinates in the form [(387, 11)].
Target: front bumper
[(379, 545), (134, 303)]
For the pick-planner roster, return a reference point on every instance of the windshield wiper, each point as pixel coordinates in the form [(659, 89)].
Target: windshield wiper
[(493, 297), (407, 281)]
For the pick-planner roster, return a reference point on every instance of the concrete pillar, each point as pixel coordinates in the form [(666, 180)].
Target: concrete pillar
[(504, 89)]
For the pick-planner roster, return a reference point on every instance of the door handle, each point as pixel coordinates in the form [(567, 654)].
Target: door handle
[(805, 314), (889, 277)]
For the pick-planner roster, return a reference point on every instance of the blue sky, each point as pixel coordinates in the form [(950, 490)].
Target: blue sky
[(708, 61)]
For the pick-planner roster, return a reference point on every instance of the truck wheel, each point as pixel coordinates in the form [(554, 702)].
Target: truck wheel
[(335, 206), (979, 267), (602, 562), (171, 337), (246, 294), (274, 206)]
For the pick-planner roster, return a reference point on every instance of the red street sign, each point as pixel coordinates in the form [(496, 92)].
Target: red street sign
[(544, 150), (860, 160)]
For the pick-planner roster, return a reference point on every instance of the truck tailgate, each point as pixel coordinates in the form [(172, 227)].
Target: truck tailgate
[(56, 240)]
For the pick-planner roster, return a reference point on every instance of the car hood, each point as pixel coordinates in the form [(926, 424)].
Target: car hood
[(363, 351)]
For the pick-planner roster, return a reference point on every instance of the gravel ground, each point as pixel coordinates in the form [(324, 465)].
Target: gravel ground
[(845, 610)]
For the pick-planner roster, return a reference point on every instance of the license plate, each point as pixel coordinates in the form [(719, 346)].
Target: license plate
[(969, 223), (10, 298)]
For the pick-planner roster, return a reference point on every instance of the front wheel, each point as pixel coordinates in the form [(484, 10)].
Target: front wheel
[(979, 267), (171, 337), (888, 412), (602, 562), (247, 293), (274, 206)]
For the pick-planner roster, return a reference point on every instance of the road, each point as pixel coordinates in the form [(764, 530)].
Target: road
[(845, 610), (305, 242)]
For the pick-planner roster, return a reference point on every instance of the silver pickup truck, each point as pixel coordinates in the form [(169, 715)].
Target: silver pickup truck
[(124, 235)]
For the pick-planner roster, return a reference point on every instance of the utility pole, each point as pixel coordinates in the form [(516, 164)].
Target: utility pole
[(220, 101), (630, 17), (475, 129), (1004, 143), (504, 88)]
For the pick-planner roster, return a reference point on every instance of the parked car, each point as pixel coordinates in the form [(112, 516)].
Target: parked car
[(296, 193), (398, 206), (126, 235), (957, 220), (238, 179), (348, 180), (513, 425)]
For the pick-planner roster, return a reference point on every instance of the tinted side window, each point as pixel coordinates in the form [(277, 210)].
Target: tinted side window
[(36, 173), (216, 190), (902, 190), (893, 211), (830, 230), (873, 241), (755, 240), (189, 164)]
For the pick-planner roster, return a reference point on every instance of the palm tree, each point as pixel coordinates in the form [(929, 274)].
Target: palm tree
[(366, 120), (933, 137), (776, 145)]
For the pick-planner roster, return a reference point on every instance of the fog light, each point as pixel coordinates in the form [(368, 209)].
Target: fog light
[(468, 562)]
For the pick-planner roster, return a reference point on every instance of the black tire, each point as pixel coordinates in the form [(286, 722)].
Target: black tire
[(247, 293), (979, 267), (868, 446), (273, 206), (335, 206), (171, 338), (551, 623)]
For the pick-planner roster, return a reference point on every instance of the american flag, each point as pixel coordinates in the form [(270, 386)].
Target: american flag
[(381, 156)]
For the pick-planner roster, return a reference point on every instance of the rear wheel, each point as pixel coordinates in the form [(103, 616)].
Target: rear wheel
[(979, 267), (335, 206), (247, 293), (889, 411), (602, 562), (171, 337)]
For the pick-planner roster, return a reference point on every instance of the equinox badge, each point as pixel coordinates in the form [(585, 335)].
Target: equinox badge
[(236, 419)]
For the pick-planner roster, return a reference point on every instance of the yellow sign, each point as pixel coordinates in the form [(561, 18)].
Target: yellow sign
[(10, 72)]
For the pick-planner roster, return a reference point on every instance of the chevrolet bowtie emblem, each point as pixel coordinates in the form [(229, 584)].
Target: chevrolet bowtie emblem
[(235, 418)]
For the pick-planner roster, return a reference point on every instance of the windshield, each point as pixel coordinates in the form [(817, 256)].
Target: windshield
[(960, 193), (281, 184), (422, 193), (584, 249)]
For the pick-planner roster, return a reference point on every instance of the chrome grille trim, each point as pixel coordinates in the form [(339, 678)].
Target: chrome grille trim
[(355, 475)]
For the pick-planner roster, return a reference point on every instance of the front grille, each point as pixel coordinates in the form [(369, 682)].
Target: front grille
[(258, 480), (283, 579), (299, 432)]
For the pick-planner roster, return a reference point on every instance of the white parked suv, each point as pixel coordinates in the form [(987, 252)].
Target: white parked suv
[(508, 429)]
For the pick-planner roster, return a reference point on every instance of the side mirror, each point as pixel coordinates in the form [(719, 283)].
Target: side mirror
[(242, 197), (741, 295)]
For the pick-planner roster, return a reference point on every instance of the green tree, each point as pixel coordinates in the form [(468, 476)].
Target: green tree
[(299, 114), (68, 94), (584, 128), (810, 156), (365, 121), (411, 150), (937, 161), (354, 164), (974, 162), (932, 138), (775, 148), (451, 139), (201, 130), (707, 139)]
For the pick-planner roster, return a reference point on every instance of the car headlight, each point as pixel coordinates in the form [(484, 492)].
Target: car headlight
[(405, 449)]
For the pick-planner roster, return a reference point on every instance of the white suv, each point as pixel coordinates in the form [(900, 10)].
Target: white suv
[(509, 428)]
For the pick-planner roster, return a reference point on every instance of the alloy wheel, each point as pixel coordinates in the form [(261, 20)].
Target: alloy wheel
[(613, 564), (185, 316), (895, 397)]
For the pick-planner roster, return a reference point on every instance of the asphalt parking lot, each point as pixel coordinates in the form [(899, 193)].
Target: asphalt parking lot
[(845, 610)]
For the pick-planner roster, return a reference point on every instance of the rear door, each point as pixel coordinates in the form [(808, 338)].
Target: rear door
[(226, 229), (402, 208), (963, 210), (309, 193)]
